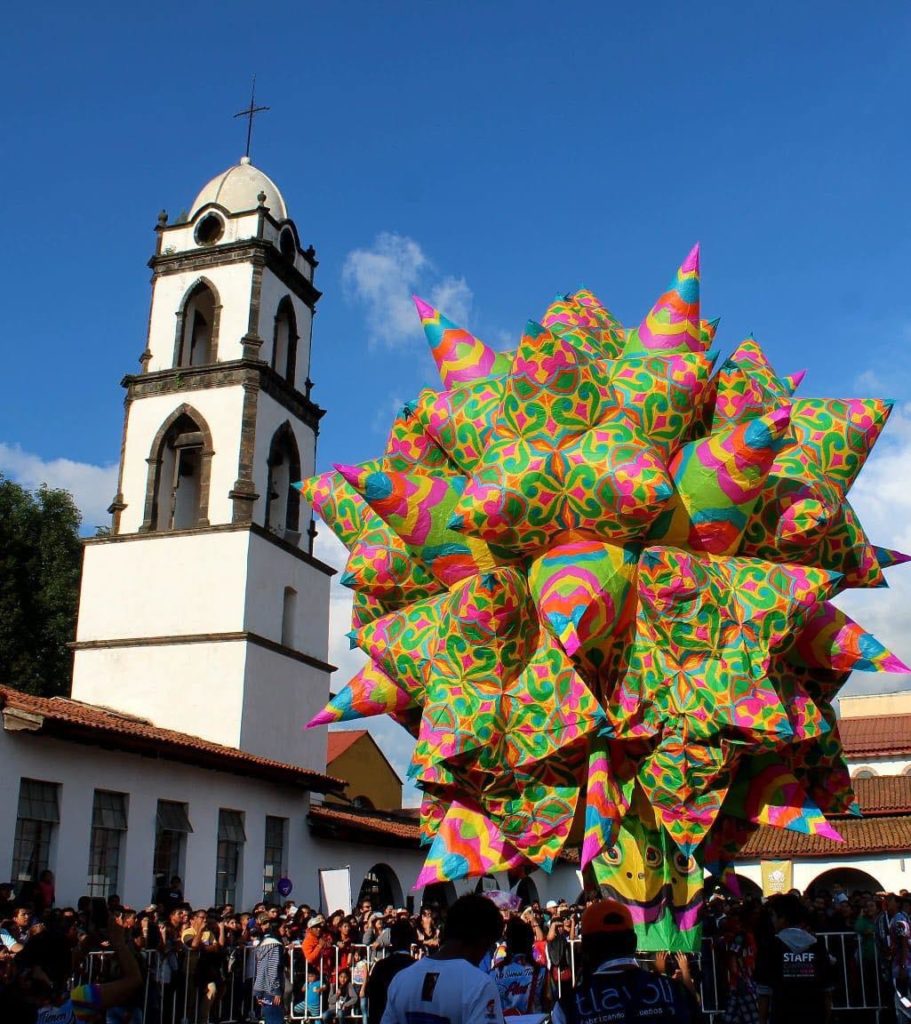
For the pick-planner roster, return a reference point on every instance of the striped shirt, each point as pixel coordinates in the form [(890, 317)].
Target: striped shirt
[(269, 957)]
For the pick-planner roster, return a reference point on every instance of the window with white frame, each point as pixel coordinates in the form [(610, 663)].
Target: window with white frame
[(37, 817), (231, 839), (109, 825), (274, 862)]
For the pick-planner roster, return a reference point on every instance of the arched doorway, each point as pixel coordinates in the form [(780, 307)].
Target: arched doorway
[(524, 888), (381, 887), (439, 896), (852, 879), (740, 885)]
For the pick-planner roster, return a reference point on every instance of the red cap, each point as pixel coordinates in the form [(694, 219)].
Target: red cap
[(606, 917)]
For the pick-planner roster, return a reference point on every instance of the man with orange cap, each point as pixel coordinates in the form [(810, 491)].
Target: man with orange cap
[(613, 987)]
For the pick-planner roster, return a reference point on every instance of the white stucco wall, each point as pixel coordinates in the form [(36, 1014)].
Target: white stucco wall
[(881, 765), (269, 570), (165, 585), (233, 283), (228, 691), (79, 770), (179, 237), (196, 688), (280, 696), (221, 408), (891, 871)]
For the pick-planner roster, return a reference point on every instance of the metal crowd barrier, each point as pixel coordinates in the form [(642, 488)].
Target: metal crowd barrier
[(340, 959), (172, 993)]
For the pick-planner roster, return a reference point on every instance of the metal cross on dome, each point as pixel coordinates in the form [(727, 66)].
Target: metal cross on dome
[(250, 113)]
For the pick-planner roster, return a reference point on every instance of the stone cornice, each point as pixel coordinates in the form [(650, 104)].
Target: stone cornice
[(243, 372), (254, 528), (257, 251), (238, 636)]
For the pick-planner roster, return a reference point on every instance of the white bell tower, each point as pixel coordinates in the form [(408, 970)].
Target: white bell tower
[(205, 610)]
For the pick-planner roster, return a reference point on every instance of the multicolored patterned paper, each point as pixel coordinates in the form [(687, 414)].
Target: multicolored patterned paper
[(672, 324), (371, 692), (460, 356), (601, 573)]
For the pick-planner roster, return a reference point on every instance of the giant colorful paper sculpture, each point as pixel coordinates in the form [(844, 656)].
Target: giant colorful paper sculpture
[(601, 572)]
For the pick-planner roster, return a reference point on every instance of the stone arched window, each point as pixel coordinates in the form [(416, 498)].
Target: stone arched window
[(284, 469), (196, 343), (865, 773), (180, 464), (284, 340)]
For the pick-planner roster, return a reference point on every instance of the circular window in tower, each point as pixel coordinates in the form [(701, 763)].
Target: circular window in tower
[(209, 229), (287, 244)]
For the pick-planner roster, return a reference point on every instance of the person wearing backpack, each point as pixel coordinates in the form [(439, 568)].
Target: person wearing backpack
[(613, 986)]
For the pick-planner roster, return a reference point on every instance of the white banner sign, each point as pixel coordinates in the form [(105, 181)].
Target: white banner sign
[(335, 889)]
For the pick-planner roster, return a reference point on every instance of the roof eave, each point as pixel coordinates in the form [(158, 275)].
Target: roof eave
[(96, 735)]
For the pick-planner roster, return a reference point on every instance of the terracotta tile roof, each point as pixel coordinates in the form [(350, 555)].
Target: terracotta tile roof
[(360, 821), (88, 723), (861, 836), (883, 794), (340, 741), (875, 736)]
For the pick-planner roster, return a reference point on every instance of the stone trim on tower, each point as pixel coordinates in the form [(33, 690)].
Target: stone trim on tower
[(256, 251), (177, 639), (252, 340), (243, 494), (228, 374), (117, 506)]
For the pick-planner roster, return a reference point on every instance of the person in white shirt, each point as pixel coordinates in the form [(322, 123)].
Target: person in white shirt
[(449, 987)]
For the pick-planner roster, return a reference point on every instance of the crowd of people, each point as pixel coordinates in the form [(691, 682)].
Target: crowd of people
[(171, 963)]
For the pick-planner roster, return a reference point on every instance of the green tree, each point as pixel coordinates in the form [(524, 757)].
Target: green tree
[(40, 567)]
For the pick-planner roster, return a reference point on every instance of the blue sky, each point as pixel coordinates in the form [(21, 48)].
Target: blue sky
[(487, 154)]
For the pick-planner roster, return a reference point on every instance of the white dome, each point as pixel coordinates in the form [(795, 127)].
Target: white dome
[(236, 190)]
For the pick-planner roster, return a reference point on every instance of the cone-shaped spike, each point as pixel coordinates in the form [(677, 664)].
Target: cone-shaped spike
[(831, 640), (718, 480), (888, 557), (459, 356), (370, 692), (672, 324)]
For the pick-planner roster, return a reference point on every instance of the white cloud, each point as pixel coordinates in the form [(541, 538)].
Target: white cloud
[(392, 739), (93, 487), (869, 381), (882, 499), (453, 297), (384, 277)]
